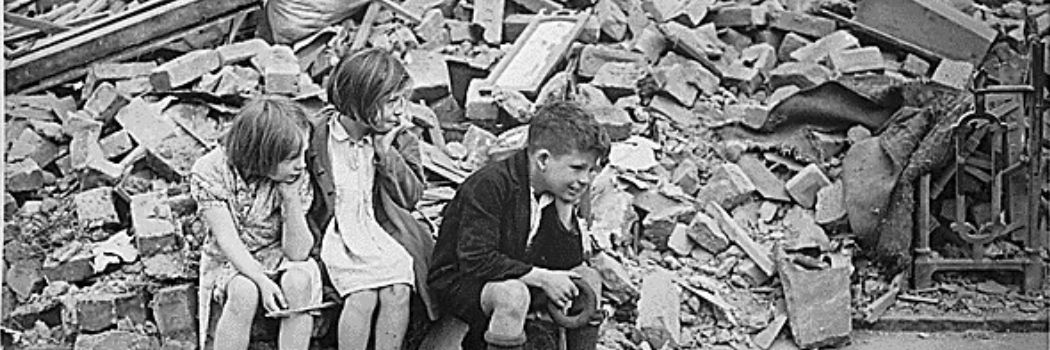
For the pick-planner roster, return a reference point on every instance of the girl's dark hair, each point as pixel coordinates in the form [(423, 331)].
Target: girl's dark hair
[(267, 130), (361, 82)]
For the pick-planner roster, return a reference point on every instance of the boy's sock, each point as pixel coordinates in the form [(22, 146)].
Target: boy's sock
[(500, 341), (583, 338)]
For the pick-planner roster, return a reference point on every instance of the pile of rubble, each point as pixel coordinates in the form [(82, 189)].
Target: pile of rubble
[(720, 220)]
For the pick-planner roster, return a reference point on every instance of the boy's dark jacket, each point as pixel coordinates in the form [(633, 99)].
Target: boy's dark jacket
[(484, 229), (398, 186)]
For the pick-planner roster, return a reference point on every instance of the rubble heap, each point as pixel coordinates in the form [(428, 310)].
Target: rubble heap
[(744, 134)]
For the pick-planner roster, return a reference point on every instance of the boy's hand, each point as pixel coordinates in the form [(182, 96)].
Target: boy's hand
[(559, 287), (270, 295)]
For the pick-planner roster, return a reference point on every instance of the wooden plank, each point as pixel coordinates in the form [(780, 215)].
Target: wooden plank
[(134, 31), (38, 33), (33, 23), (94, 26), (365, 30), (884, 37), (740, 236)]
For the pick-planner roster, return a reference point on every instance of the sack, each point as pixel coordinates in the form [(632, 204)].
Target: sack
[(293, 20)]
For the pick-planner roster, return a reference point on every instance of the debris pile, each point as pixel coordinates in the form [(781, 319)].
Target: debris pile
[(759, 150)]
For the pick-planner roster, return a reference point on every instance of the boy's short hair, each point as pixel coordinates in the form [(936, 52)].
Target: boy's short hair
[(267, 131), (361, 82), (562, 127)]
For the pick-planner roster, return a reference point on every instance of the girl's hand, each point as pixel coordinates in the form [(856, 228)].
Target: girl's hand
[(385, 142), (271, 296), (289, 191)]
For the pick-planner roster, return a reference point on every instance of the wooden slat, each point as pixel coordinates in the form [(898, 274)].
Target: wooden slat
[(134, 31), (109, 20), (33, 23)]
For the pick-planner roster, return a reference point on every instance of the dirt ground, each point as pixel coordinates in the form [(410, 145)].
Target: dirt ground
[(868, 340)]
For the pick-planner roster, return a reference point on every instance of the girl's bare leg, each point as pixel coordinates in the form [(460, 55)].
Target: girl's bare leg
[(296, 330), (393, 316), (235, 324), (355, 322)]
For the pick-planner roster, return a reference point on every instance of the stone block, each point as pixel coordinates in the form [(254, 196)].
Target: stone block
[(803, 231), (801, 23), (31, 145), (241, 51), (822, 48), (864, 59), (432, 28), (105, 102), (687, 176), (658, 226), (803, 187), (96, 206), (707, 234), (489, 15), (429, 73), (662, 10), (741, 16), (818, 304), (930, 24), (800, 74), (729, 186), (458, 31), (116, 144), (745, 78), (175, 309), (593, 57), (153, 224), (96, 312), (75, 269), (767, 184), (751, 115), (790, 44), (658, 310), (134, 86), (618, 79), (481, 102), (831, 204), (185, 69), (24, 277), (23, 176), (616, 282), (762, 56), (915, 66), (954, 74), (679, 242), (615, 120), (612, 19), (117, 339), (780, 94)]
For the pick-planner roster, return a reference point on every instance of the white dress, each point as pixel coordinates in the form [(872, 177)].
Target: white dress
[(357, 252)]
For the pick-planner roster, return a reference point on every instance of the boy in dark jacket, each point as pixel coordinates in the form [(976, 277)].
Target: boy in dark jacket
[(511, 231)]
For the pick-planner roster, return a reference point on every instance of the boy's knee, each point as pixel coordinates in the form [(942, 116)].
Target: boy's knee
[(242, 295), (397, 294), (507, 296)]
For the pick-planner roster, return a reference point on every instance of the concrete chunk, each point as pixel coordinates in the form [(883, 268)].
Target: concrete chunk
[(803, 231), (31, 145), (96, 206), (762, 56), (96, 312), (658, 309), (429, 73), (489, 15), (741, 16), (686, 175), (679, 241), (594, 57), (618, 79), (821, 49), (858, 60), (790, 44), (831, 205), (705, 231), (116, 144), (930, 24), (745, 78), (954, 74), (729, 186), (661, 10), (800, 74), (184, 69), (23, 176), (818, 304), (612, 19), (915, 66), (801, 23), (151, 220), (175, 309), (767, 184), (432, 28), (803, 187), (105, 102), (241, 51)]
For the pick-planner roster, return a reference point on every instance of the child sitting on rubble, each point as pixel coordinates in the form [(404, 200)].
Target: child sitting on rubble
[(253, 192), (368, 174), (511, 233)]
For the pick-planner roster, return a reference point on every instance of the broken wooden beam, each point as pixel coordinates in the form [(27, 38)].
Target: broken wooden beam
[(33, 23)]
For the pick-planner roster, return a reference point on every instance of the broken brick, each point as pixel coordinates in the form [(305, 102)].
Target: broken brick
[(686, 175), (152, 223), (658, 309), (458, 31), (745, 78), (669, 108), (96, 312), (729, 186), (677, 85), (489, 15), (236, 79), (593, 57), (175, 309), (612, 19), (741, 16), (105, 101), (803, 231), (679, 241), (741, 237), (789, 44), (429, 73), (651, 43), (821, 49), (75, 269), (120, 71), (481, 102), (96, 207), (915, 66), (801, 23), (707, 234), (116, 144), (24, 277), (800, 74), (818, 304), (167, 267), (432, 29), (616, 121), (134, 86), (618, 79), (117, 339), (954, 74), (84, 147), (184, 69), (766, 183), (658, 225), (803, 187), (927, 23), (831, 205), (762, 56), (780, 94), (752, 115), (241, 51), (280, 70), (31, 145), (23, 176), (858, 60), (661, 10)]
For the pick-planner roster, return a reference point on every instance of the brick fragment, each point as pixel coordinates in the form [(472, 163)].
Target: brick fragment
[(790, 44), (594, 57), (167, 267), (658, 225), (31, 145), (432, 28), (735, 39), (705, 231), (105, 101), (75, 269), (242, 51), (858, 60), (741, 16), (803, 231), (615, 279), (134, 86), (175, 309), (954, 74), (120, 71), (831, 205), (800, 74), (933, 25), (803, 187), (801, 23), (780, 94), (658, 309), (151, 220), (751, 115), (915, 66), (745, 78), (96, 207), (671, 109), (184, 69), (615, 120), (767, 184), (458, 31), (117, 144), (429, 73), (729, 186), (117, 339), (24, 277), (618, 79), (821, 49), (280, 70), (818, 304), (679, 242), (236, 80), (741, 237), (481, 102), (762, 56), (23, 176), (686, 175), (25, 316), (489, 15), (612, 19), (96, 312), (651, 43), (661, 10)]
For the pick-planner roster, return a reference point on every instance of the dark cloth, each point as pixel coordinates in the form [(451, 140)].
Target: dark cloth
[(555, 246), (398, 186)]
